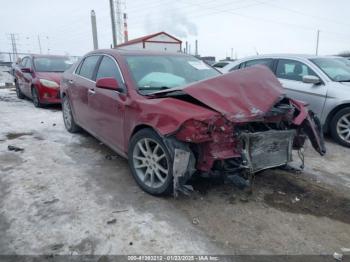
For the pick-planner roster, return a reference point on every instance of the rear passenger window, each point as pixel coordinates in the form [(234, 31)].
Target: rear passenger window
[(88, 66), (266, 62), (292, 70), (108, 68)]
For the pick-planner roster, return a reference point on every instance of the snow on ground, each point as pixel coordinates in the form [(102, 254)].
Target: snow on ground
[(5, 76), (61, 195)]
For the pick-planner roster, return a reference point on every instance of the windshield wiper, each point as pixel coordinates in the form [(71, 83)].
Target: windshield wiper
[(153, 88), (347, 80)]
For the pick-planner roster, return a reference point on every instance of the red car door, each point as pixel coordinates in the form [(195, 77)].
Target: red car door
[(20, 76), (81, 83), (107, 107), (28, 77)]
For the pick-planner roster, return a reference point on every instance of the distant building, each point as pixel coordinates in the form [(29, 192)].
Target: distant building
[(156, 42)]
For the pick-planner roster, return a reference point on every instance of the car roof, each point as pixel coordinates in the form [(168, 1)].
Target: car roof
[(47, 56), (299, 56), (225, 61), (121, 51)]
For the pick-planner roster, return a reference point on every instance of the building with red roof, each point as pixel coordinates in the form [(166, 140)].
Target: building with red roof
[(161, 41)]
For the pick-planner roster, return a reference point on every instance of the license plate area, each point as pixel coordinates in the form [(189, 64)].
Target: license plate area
[(268, 149)]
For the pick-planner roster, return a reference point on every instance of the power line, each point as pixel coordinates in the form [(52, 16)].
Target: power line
[(198, 10), (305, 14), (205, 7), (272, 21), (14, 38)]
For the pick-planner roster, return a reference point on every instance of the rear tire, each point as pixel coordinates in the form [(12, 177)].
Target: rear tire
[(150, 163), (68, 118), (19, 93), (340, 127), (35, 98)]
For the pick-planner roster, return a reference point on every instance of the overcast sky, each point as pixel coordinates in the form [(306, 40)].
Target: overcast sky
[(247, 26)]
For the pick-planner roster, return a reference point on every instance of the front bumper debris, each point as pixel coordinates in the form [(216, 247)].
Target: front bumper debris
[(268, 149)]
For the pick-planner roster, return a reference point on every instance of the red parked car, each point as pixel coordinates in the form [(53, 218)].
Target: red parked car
[(38, 77), (175, 117)]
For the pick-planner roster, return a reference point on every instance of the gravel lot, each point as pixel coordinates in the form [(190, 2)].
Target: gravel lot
[(70, 194)]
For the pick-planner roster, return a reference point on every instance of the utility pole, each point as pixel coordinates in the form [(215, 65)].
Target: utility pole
[(94, 29), (317, 41), (39, 44), (12, 44), (231, 53), (114, 32), (196, 47)]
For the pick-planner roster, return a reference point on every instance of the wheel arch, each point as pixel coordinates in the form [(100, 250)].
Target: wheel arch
[(32, 86), (332, 114), (139, 127)]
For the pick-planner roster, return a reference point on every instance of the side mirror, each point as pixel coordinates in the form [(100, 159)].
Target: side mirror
[(309, 79), (108, 83), (26, 70)]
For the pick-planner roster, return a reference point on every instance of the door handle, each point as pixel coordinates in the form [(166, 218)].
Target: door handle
[(91, 92), (71, 81)]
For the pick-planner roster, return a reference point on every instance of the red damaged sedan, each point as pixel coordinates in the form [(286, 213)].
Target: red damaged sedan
[(174, 117), (38, 76)]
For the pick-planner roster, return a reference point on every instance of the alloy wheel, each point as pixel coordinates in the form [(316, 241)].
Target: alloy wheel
[(343, 127), (151, 163)]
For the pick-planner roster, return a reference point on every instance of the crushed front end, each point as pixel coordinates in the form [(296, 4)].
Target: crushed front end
[(233, 145), (253, 126)]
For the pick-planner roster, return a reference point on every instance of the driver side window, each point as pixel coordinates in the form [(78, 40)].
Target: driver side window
[(293, 70), (24, 62), (108, 68)]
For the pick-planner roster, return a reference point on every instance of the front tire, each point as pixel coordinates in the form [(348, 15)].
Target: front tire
[(35, 98), (150, 163), (340, 127), (19, 93), (68, 118)]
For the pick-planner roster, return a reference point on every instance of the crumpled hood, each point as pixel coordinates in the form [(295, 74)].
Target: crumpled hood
[(241, 95), (53, 76)]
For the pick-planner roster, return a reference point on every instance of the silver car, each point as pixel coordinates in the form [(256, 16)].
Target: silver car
[(321, 81)]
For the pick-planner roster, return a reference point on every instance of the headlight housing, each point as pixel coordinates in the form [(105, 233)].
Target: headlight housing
[(49, 83)]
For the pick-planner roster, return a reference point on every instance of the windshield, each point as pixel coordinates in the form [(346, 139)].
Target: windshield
[(153, 73), (344, 60), (52, 64), (334, 68)]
